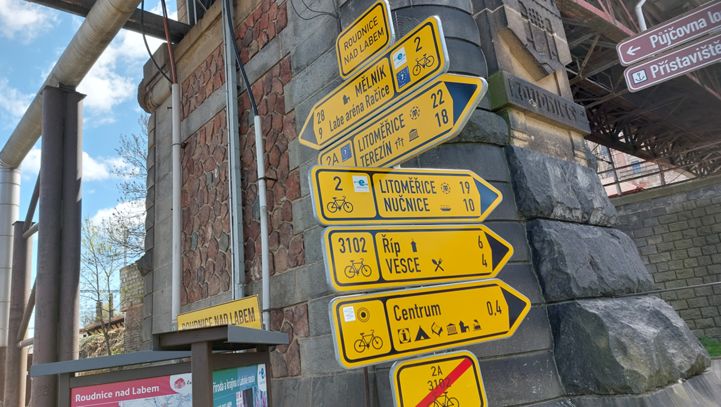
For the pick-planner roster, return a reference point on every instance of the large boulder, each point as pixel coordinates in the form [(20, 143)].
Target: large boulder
[(623, 345), (551, 188), (582, 261)]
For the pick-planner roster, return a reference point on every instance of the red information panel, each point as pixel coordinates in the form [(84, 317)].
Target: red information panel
[(173, 390)]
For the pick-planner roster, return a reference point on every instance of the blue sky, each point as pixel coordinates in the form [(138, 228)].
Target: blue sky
[(31, 39)]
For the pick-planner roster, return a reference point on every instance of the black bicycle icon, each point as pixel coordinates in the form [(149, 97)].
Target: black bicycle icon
[(423, 62), (357, 267), (339, 203), (445, 401), (368, 341)]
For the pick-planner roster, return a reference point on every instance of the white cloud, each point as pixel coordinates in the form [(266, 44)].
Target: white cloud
[(12, 102), (23, 20), (114, 77), (132, 210), (94, 169)]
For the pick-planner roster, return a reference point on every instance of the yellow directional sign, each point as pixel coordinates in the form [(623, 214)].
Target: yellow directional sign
[(450, 379), (370, 33), (430, 117), (374, 328), (367, 258), (414, 60), (357, 196), (243, 312)]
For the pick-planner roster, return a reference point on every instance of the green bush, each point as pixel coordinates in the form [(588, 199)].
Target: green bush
[(713, 346)]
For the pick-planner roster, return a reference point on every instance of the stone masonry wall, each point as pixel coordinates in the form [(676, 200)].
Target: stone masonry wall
[(291, 62), (677, 229), (206, 251), (131, 304)]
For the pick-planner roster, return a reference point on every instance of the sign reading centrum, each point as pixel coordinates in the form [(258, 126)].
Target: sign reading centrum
[(423, 121), (670, 34), (374, 328), (365, 258), (450, 379), (673, 64), (357, 196), (415, 59), (370, 33)]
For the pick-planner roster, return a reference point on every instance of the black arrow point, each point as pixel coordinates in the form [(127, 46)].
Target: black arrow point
[(515, 306), (460, 93), (498, 250), (488, 196)]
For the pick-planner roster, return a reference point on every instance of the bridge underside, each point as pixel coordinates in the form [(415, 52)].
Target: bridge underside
[(677, 123)]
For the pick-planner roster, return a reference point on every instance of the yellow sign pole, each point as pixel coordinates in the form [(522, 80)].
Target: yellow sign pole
[(417, 58), (450, 379), (243, 312), (369, 34), (374, 328), (369, 258), (430, 117), (357, 196)]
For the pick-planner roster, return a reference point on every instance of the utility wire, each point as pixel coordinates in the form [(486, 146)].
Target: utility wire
[(145, 41), (319, 13), (228, 7), (171, 57)]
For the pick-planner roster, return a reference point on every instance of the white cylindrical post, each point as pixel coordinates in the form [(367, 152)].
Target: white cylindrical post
[(9, 209)]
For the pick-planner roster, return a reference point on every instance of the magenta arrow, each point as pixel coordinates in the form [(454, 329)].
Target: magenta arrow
[(675, 32)]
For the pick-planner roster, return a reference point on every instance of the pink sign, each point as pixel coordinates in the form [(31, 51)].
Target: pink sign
[(673, 64), (670, 34), (174, 390)]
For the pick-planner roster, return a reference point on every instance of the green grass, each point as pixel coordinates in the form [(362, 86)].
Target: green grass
[(713, 346)]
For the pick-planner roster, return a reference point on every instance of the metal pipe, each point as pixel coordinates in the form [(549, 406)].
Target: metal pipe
[(262, 200), (639, 15), (69, 297), (33, 204), (234, 164), (31, 230), (100, 26), (26, 342), (27, 313), (176, 267), (16, 358), (9, 211), (44, 389)]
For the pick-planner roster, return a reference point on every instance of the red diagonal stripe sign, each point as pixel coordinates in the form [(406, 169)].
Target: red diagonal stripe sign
[(446, 383)]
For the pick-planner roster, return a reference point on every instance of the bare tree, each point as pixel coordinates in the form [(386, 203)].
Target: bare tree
[(100, 266), (128, 219)]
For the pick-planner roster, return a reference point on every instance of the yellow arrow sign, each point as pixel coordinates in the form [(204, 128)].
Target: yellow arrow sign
[(369, 34), (374, 328), (357, 196), (414, 60), (430, 117), (368, 258), (243, 312), (451, 379)]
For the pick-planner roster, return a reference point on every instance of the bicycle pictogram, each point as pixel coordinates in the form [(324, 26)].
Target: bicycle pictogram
[(357, 267), (368, 341), (445, 401), (339, 203), (423, 62)]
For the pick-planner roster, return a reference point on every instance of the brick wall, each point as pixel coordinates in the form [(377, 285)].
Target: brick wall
[(131, 304), (678, 232)]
